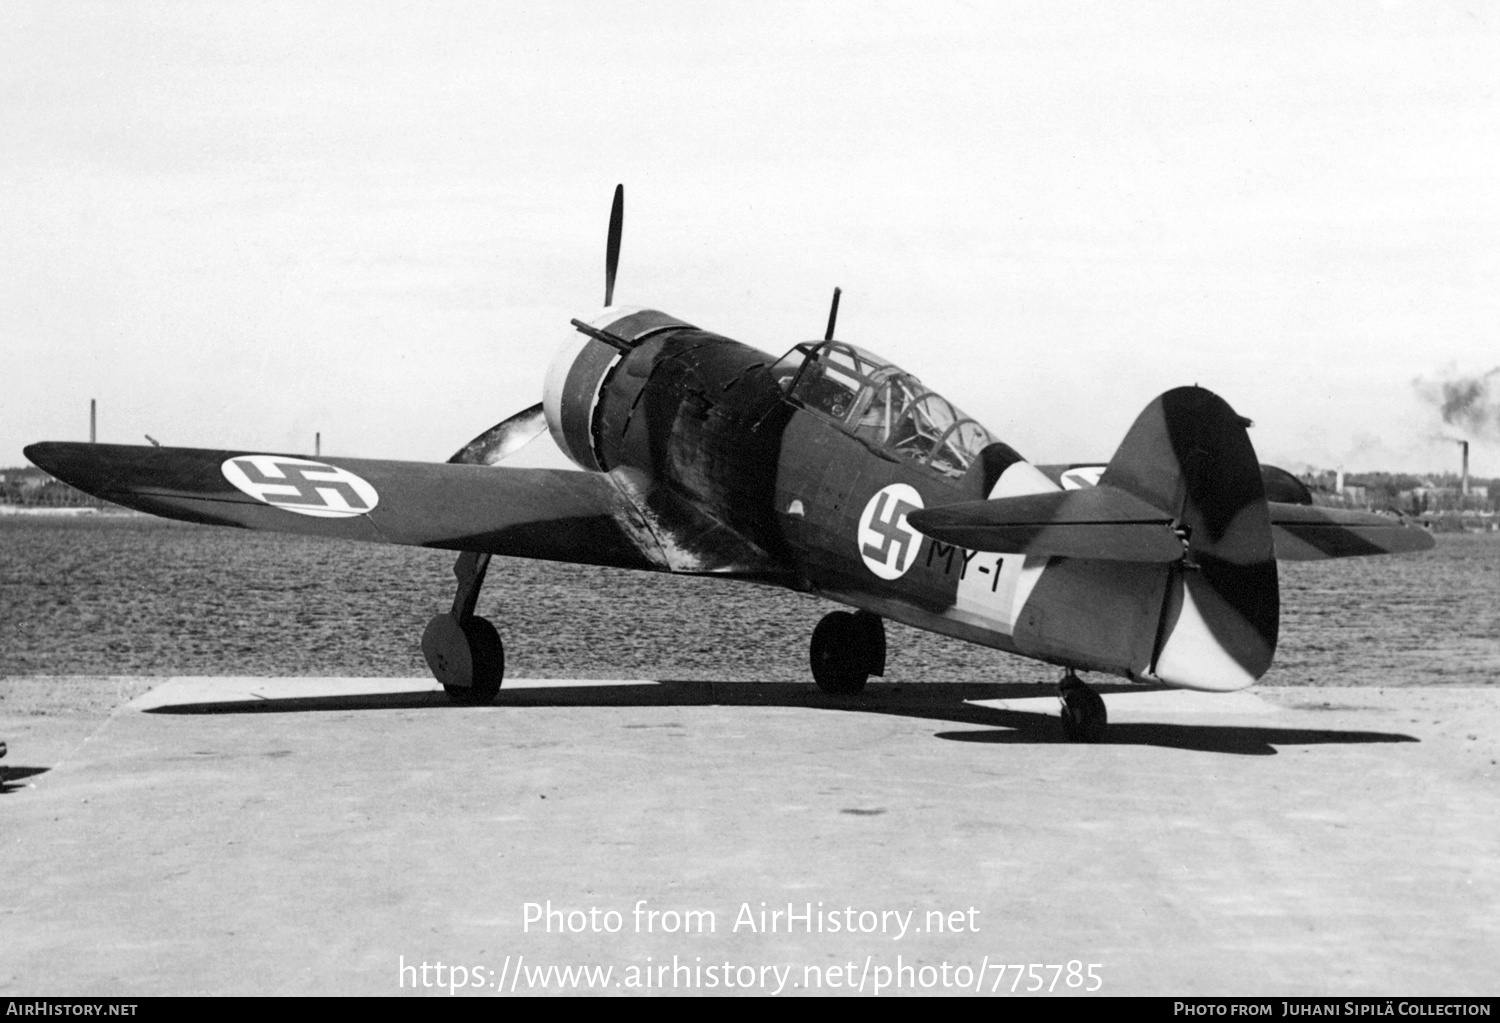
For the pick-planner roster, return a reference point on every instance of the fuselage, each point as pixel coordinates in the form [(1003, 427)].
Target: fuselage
[(800, 472)]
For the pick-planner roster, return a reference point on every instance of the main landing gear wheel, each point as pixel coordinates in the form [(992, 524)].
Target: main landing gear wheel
[(466, 657), (1084, 718), (463, 650), (846, 650)]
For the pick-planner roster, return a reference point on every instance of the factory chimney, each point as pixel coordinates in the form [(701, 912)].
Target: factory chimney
[(318, 445), (93, 422), (1463, 487)]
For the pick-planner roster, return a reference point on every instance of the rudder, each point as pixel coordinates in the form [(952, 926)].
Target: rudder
[(1189, 453)]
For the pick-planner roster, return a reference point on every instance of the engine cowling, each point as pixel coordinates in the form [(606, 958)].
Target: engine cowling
[(583, 368)]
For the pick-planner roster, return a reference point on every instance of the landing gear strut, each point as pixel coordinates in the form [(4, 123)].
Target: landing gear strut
[(846, 650), (463, 650), (1083, 715)]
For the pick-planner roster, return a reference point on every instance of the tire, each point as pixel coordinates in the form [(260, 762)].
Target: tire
[(870, 638), (838, 658), (489, 660), (1084, 717), (466, 657)]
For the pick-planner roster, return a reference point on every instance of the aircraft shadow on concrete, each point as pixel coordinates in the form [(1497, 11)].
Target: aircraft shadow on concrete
[(10, 775), (937, 701)]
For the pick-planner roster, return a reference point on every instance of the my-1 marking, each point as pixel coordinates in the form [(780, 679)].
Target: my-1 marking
[(943, 550)]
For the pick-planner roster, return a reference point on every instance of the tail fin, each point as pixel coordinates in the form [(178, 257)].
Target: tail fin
[(1189, 453)]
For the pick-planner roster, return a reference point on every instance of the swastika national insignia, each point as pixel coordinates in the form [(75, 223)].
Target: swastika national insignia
[(887, 544), (301, 486)]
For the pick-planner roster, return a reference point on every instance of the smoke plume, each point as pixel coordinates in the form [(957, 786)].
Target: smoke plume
[(1469, 403)]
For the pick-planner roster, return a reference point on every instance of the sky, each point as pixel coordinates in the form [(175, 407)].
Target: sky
[(238, 224)]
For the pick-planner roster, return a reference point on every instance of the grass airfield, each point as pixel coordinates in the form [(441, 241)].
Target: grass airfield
[(306, 835)]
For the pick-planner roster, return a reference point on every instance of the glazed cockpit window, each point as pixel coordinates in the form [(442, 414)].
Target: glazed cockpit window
[(882, 404), (922, 426), (785, 371), (834, 378), (892, 395), (960, 445)]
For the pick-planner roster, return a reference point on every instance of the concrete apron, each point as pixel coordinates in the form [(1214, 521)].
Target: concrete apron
[(287, 836)]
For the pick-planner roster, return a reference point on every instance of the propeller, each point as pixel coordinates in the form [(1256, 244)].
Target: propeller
[(503, 439), (510, 435), (833, 314), (612, 246)]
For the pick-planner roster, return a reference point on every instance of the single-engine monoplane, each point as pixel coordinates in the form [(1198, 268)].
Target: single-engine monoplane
[(829, 470)]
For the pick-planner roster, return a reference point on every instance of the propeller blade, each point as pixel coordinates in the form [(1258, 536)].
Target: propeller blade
[(833, 314), (612, 246), (503, 439)]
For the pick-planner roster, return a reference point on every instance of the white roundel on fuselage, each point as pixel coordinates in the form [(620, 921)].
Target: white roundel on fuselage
[(886, 542), (301, 485)]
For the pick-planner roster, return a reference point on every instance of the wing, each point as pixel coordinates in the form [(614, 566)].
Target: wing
[(551, 514)]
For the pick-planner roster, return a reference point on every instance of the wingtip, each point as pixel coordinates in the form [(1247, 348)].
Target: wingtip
[(42, 452)]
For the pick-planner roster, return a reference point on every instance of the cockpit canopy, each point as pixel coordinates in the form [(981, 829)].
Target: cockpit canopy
[(881, 403)]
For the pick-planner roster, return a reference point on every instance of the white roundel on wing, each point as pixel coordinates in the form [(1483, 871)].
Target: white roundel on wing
[(300, 485), (887, 543)]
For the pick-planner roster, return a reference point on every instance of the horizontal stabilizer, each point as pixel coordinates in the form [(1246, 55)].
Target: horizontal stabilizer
[(555, 515), (1311, 533), (1102, 523)]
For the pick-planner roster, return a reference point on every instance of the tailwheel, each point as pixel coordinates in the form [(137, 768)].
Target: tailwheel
[(467, 657), (846, 650), (1084, 718)]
